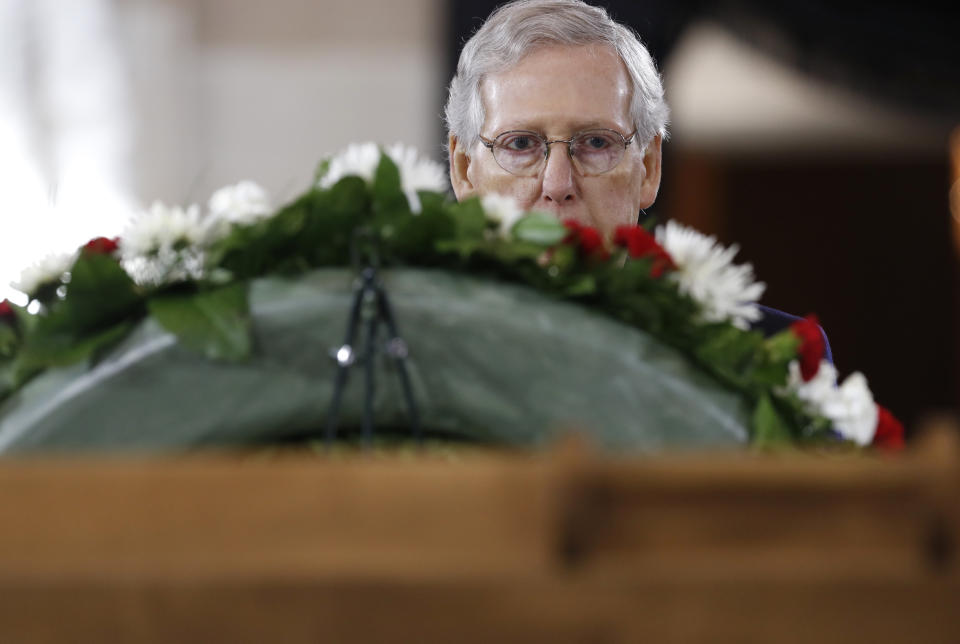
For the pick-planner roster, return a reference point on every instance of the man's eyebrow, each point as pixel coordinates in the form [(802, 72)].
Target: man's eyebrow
[(571, 127)]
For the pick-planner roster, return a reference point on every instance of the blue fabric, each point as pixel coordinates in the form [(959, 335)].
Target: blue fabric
[(774, 321)]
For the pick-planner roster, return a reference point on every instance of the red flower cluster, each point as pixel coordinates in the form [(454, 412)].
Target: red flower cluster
[(586, 238), (6, 312), (889, 433), (812, 345), (641, 244), (102, 246)]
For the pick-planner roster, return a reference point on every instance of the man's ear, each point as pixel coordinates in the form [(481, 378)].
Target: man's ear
[(651, 175), (459, 165)]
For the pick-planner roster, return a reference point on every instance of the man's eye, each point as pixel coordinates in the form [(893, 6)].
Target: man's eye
[(520, 143), (596, 142)]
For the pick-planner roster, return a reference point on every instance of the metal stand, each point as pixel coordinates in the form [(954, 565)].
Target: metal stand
[(370, 307)]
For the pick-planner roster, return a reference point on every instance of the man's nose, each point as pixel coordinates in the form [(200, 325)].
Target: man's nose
[(558, 184)]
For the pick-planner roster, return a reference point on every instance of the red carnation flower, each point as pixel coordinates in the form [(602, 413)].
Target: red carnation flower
[(574, 231), (586, 238), (889, 433), (641, 244), (6, 312), (812, 345), (102, 246), (591, 243)]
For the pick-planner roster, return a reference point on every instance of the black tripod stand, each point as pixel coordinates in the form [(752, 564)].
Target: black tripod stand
[(370, 308)]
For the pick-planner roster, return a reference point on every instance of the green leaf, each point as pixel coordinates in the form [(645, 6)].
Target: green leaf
[(513, 252), (9, 340), (14, 374), (430, 200), (414, 238), (100, 306), (770, 430), (100, 293), (215, 323), (783, 346), (539, 228), (322, 168), (730, 350), (386, 179), (349, 196), (563, 257), (59, 348), (463, 248), (388, 197), (770, 374), (779, 350), (6, 379), (582, 285), (313, 230), (630, 278), (469, 220), (25, 320)]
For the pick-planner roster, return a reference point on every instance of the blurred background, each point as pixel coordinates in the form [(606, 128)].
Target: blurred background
[(816, 136)]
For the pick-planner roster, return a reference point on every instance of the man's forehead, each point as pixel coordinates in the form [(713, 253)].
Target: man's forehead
[(558, 86)]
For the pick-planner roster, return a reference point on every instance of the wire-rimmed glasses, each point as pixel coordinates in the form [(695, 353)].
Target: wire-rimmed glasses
[(523, 153)]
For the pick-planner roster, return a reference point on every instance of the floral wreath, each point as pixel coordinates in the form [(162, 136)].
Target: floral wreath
[(189, 270)]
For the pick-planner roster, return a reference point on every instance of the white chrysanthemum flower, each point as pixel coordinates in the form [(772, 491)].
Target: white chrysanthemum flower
[(362, 159), (850, 407), (49, 270), (502, 209), (241, 203), (165, 245), (706, 272), (816, 391), (853, 410), (163, 227), (416, 173), (358, 159)]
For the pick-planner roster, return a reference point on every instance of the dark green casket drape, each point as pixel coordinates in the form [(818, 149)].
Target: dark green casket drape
[(490, 362)]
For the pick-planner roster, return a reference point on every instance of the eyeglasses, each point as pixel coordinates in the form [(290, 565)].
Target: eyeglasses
[(524, 153)]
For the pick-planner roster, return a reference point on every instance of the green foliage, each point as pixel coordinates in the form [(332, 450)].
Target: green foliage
[(321, 171), (6, 378), (9, 341), (215, 323), (100, 292), (62, 348), (771, 369), (539, 228), (389, 201), (770, 430), (469, 220), (101, 304), (330, 227)]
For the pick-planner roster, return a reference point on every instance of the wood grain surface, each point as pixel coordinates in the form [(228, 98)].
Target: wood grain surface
[(564, 546)]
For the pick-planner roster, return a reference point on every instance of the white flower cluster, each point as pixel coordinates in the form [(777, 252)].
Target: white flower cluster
[(242, 203), (168, 244), (417, 173), (50, 270), (502, 209), (358, 159), (164, 245), (706, 272), (361, 160), (849, 407)]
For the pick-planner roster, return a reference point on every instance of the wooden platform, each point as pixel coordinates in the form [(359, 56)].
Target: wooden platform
[(485, 547)]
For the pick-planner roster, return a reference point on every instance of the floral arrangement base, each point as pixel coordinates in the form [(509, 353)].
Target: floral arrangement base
[(489, 361)]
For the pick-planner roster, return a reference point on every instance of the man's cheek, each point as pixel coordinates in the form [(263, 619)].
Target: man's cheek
[(524, 192)]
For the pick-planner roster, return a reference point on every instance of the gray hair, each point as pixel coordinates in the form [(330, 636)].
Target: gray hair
[(517, 28)]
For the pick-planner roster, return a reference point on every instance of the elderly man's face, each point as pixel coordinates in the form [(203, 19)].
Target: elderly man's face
[(558, 91)]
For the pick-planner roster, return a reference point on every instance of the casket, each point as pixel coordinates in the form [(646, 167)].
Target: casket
[(489, 362)]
